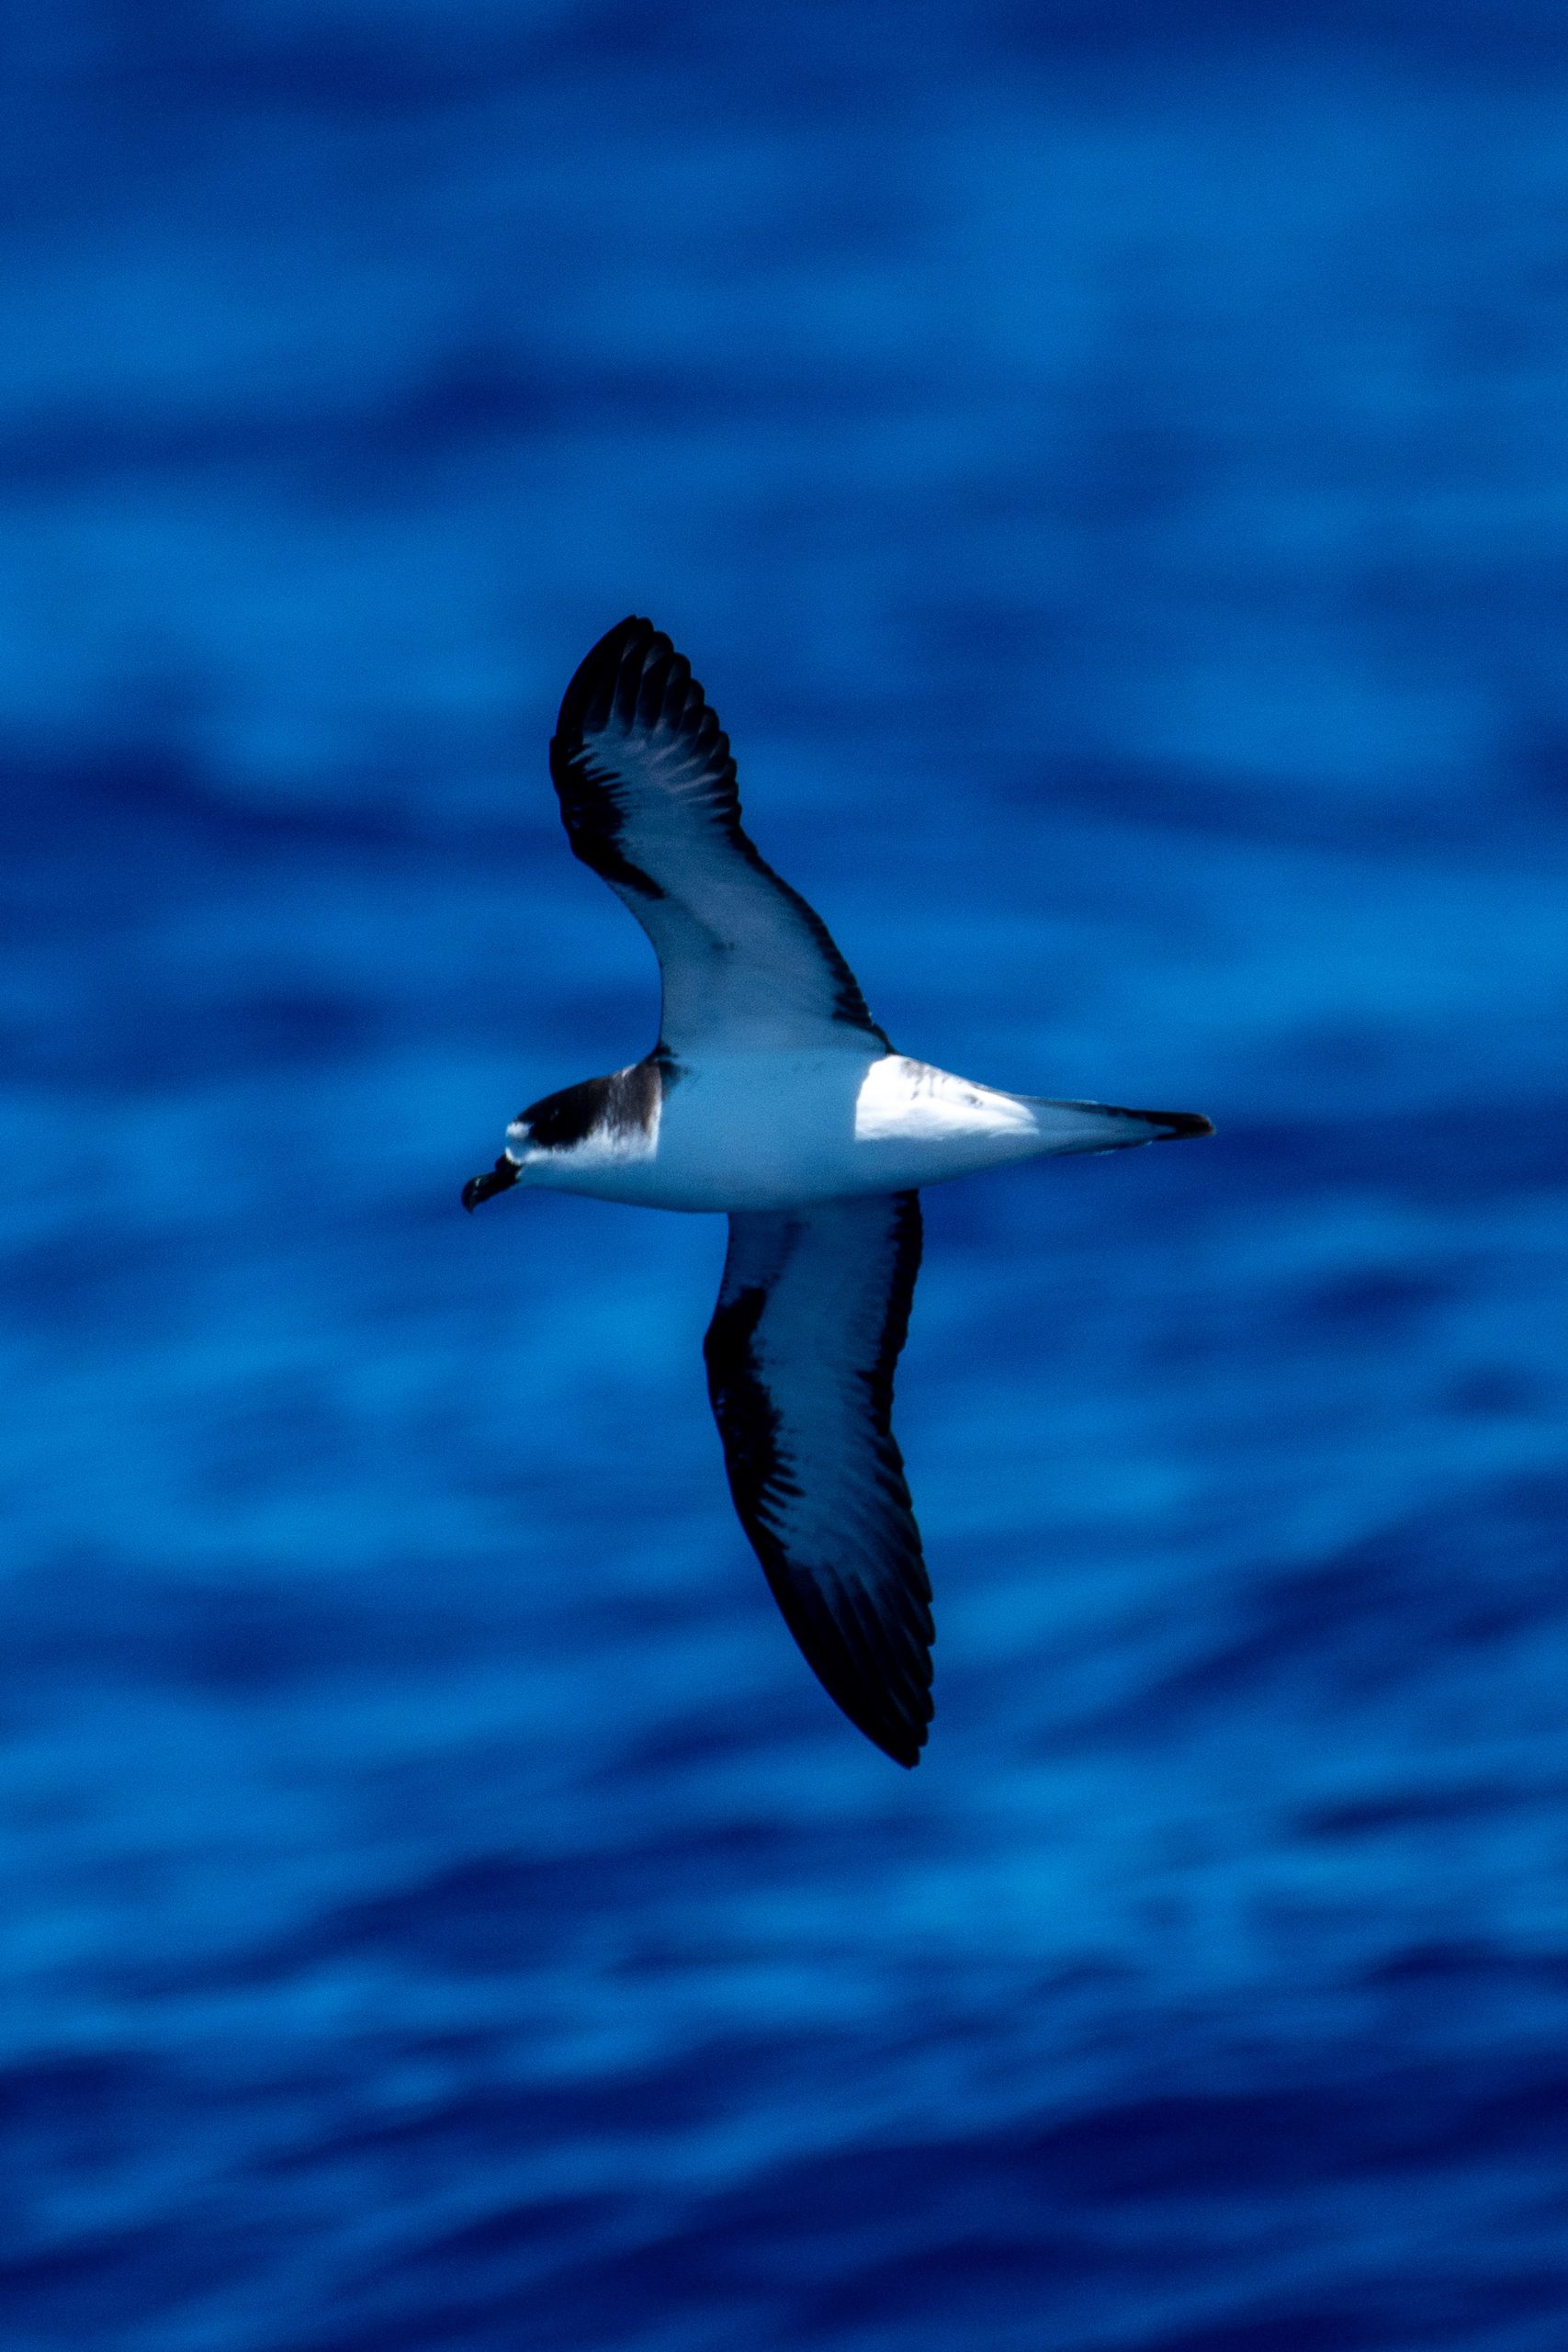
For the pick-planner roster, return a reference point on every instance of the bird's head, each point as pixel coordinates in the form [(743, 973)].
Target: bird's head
[(550, 1130)]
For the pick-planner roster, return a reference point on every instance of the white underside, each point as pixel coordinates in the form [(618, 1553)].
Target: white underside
[(772, 1130)]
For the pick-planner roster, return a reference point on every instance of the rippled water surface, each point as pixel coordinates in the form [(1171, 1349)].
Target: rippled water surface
[(1111, 473)]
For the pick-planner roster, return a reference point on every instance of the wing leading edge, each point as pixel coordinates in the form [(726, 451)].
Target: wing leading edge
[(649, 798), (812, 1315)]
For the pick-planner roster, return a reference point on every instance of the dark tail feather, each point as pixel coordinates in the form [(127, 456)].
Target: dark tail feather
[(1174, 1125), (1107, 1126)]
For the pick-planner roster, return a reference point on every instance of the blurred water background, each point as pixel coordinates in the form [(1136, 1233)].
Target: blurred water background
[(1109, 467)]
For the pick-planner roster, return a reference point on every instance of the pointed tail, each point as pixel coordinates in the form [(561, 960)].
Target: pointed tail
[(1106, 1126)]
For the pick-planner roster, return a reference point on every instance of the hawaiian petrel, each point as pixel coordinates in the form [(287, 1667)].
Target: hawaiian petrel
[(773, 1097)]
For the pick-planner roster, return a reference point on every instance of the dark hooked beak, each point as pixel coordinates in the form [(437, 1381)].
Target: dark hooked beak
[(498, 1179)]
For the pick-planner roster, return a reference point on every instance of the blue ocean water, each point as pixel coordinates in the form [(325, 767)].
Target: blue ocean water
[(1110, 468)]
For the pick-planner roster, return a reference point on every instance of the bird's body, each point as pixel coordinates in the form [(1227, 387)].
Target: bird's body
[(776, 1130), (773, 1097)]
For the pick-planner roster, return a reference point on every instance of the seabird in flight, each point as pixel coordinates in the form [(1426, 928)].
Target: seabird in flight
[(772, 1097)]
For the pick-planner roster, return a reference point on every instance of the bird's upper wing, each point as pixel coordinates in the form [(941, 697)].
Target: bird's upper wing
[(647, 795), (811, 1316)]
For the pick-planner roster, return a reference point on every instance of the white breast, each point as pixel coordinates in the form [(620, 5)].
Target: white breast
[(760, 1131)]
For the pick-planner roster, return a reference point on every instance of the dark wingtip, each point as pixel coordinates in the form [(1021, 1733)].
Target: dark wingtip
[(1179, 1124), (595, 684), (904, 1743), (615, 640), (896, 1745)]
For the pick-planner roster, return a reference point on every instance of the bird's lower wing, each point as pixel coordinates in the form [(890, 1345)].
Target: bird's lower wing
[(647, 795), (811, 1317)]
